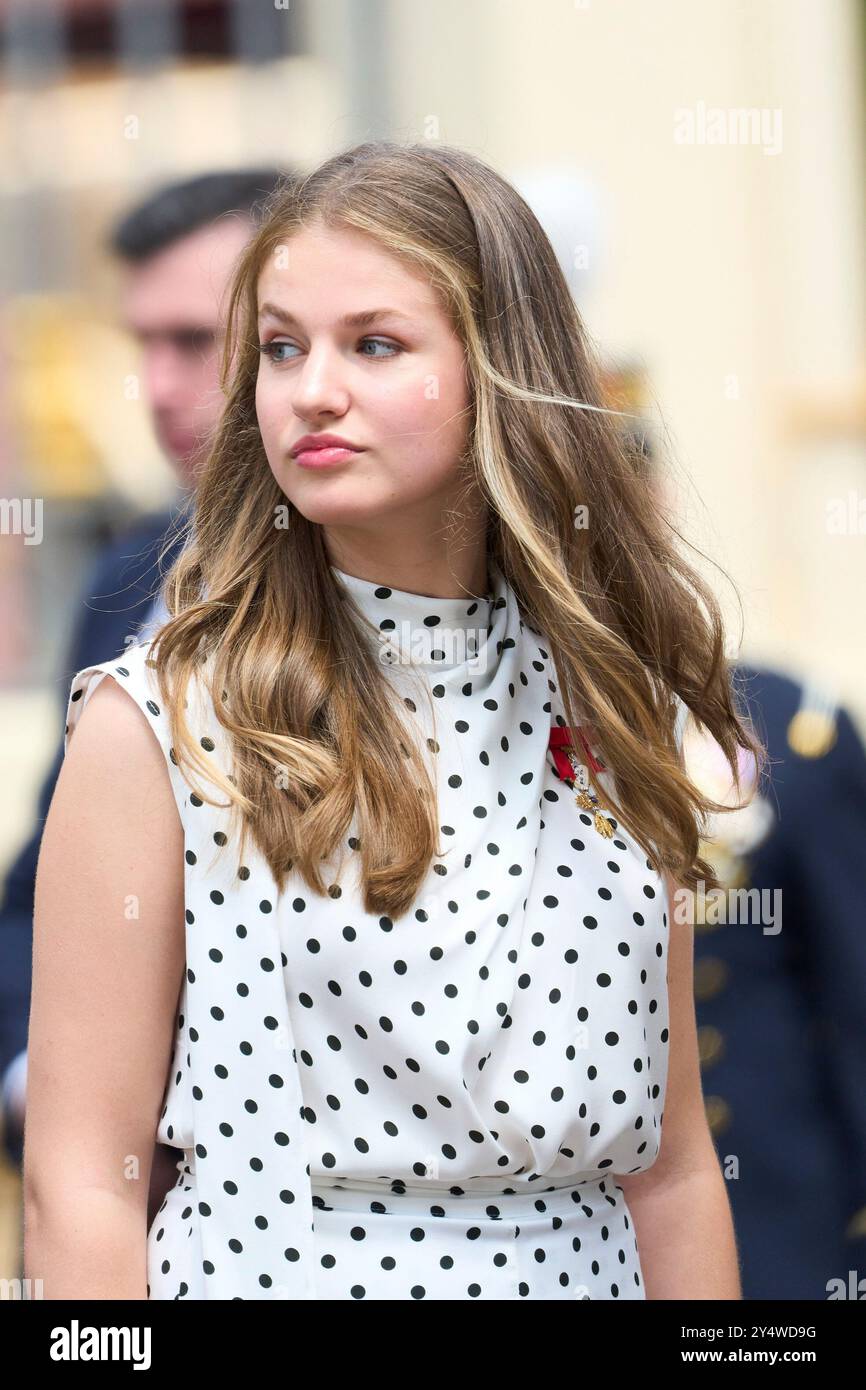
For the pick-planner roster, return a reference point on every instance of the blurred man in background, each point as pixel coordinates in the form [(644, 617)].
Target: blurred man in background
[(178, 250)]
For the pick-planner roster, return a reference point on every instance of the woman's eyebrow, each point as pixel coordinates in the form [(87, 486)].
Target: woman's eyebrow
[(362, 319)]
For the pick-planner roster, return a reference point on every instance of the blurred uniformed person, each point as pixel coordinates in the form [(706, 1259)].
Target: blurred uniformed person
[(781, 995), (780, 984)]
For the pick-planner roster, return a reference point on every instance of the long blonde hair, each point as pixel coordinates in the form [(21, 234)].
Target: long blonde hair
[(312, 724)]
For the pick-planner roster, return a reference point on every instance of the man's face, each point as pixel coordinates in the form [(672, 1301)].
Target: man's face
[(173, 305)]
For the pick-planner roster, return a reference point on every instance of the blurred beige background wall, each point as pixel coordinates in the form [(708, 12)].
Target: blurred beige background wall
[(735, 270)]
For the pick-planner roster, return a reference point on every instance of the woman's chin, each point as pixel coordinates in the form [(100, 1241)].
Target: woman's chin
[(344, 510)]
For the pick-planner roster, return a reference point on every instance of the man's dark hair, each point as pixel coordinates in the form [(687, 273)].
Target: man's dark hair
[(177, 209)]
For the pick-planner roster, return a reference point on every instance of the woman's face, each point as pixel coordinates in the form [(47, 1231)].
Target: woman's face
[(394, 386)]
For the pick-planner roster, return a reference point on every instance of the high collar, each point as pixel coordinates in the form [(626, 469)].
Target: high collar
[(440, 634)]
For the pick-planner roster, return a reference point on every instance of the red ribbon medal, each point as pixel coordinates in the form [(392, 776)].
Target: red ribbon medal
[(562, 738), (564, 750)]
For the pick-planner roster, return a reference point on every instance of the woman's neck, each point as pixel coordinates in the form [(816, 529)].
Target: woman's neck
[(439, 577)]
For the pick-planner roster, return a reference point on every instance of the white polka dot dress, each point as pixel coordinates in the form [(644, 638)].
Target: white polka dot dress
[(434, 1107)]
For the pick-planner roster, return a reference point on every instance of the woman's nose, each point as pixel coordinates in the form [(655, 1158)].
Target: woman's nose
[(320, 383)]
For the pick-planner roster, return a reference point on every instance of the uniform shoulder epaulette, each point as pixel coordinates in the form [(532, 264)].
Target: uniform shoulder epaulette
[(812, 730)]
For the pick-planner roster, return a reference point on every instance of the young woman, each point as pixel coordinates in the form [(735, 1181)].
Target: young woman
[(359, 882)]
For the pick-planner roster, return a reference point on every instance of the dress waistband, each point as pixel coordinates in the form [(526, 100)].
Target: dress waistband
[(471, 1187)]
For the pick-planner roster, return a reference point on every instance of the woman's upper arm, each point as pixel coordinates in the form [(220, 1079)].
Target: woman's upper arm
[(686, 1142), (108, 956)]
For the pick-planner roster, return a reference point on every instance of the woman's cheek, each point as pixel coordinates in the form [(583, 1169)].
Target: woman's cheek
[(267, 414)]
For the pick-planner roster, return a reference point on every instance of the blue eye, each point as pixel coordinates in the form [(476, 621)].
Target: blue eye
[(381, 342), (271, 349)]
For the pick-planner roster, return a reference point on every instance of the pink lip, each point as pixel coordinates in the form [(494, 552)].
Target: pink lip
[(323, 458), (322, 440)]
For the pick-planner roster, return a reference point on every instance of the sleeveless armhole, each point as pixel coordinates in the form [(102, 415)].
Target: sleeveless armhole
[(133, 675)]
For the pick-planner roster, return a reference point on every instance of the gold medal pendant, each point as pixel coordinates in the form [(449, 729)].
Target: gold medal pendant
[(603, 825), (588, 801)]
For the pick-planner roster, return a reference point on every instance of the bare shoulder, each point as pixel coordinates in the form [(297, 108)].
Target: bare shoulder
[(113, 822), (111, 719), (114, 752)]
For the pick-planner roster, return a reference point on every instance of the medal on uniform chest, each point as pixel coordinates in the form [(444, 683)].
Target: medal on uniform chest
[(562, 746)]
